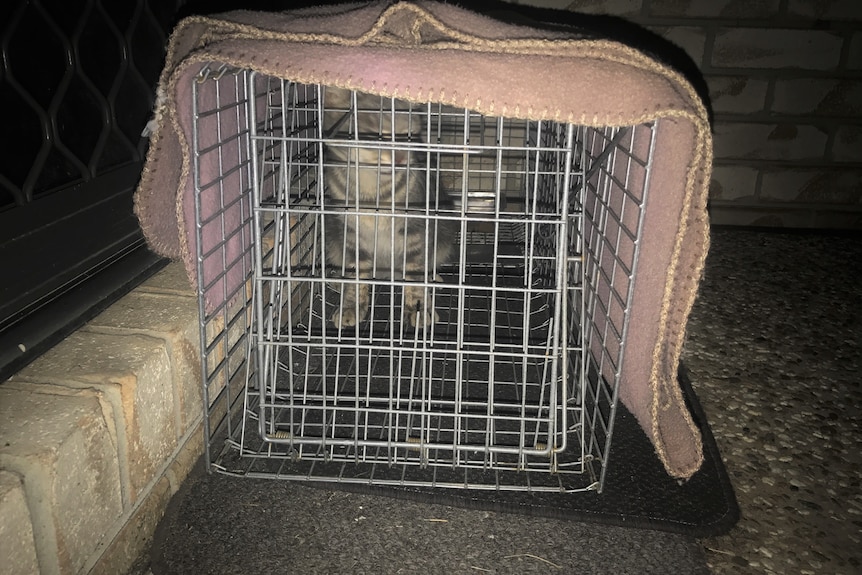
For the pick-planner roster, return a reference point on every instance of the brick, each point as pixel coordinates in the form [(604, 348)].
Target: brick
[(17, 547), (174, 319), (769, 141), (136, 536), (691, 39), (785, 215), (132, 376), (771, 48), (714, 8), (62, 445), (801, 96), (826, 9), (848, 144), (215, 342), (171, 279), (770, 216), (818, 96), (737, 94), (614, 7), (813, 186), (840, 218), (226, 336), (732, 183), (187, 457), (731, 214)]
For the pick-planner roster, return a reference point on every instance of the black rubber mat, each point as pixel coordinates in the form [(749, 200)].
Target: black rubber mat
[(637, 491), (221, 525), (643, 522)]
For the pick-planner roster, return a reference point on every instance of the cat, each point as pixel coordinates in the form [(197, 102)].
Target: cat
[(392, 238)]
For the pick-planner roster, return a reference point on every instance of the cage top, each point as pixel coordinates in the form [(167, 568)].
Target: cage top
[(429, 51)]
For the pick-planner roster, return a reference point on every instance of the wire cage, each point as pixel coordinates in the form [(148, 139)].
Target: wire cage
[(411, 293)]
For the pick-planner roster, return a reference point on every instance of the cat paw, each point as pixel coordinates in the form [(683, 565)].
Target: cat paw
[(423, 318), (343, 318)]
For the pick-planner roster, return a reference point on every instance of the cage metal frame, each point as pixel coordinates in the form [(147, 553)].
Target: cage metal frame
[(250, 352)]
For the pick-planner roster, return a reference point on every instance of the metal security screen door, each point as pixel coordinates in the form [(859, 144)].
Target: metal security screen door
[(411, 294), (77, 82)]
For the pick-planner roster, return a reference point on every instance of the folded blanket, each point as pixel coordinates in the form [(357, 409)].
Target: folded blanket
[(420, 51)]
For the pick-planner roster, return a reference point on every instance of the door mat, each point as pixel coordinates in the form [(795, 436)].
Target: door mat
[(637, 492), (642, 522)]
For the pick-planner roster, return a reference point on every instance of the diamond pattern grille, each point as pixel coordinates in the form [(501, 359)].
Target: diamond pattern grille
[(76, 83)]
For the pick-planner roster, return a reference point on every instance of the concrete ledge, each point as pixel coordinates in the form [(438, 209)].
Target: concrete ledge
[(99, 433), (17, 546)]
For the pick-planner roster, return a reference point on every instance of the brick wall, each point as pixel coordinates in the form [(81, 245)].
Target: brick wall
[(785, 81), (99, 433)]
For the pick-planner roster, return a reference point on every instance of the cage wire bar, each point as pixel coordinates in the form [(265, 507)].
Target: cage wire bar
[(223, 213), (505, 374)]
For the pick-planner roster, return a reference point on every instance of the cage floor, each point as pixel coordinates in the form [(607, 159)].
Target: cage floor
[(260, 463), (411, 396), (637, 491), (456, 408)]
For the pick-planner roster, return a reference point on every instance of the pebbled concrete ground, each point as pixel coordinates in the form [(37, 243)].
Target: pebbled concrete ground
[(774, 351)]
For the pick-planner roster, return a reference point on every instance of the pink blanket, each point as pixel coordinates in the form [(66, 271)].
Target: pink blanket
[(423, 51)]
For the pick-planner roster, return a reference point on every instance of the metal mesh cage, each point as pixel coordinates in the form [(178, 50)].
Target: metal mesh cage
[(426, 295)]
